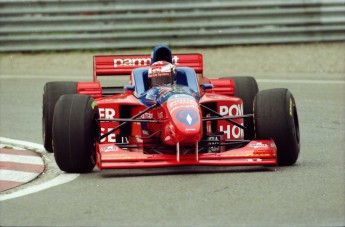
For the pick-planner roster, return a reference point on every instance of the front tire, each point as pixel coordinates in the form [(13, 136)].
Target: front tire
[(75, 132), (276, 118)]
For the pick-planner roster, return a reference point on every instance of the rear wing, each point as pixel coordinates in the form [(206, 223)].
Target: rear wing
[(113, 65)]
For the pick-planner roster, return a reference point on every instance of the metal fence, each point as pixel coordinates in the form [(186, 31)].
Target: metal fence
[(41, 25)]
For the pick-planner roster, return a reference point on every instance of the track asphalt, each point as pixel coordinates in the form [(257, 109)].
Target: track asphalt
[(18, 166)]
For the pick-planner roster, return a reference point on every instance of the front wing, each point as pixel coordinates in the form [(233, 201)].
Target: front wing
[(257, 152)]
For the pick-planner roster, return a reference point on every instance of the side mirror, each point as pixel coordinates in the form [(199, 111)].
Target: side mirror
[(207, 87), (129, 87)]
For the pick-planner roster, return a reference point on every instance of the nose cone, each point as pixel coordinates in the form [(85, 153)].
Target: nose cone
[(184, 124)]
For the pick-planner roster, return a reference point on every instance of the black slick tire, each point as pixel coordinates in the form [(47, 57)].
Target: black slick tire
[(51, 93), (75, 133), (276, 118)]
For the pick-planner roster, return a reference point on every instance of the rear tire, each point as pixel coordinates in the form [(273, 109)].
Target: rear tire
[(75, 132), (276, 118), (52, 92), (246, 88)]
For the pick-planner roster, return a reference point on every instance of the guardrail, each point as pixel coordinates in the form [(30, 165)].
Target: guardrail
[(43, 25)]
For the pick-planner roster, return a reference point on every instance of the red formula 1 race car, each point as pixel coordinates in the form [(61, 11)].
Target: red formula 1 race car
[(192, 120)]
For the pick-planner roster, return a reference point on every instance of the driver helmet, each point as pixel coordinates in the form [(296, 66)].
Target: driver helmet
[(161, 73)]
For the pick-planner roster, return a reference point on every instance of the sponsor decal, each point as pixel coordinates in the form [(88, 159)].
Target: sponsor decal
[(107, 113), (233, 110), (214, 146), (109, 148), (258, 145), (131, 62), (231, 131), (118, 62), (188, 103), (110, 138), (261, 152), (187, 117), (176, 102)]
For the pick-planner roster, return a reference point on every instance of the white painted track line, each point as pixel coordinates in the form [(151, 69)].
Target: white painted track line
[(61, 179)]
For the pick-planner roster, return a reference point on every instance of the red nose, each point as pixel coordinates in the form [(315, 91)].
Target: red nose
[(184, 123)]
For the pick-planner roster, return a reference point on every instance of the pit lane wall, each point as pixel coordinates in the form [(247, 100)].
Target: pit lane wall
[(50, 25)]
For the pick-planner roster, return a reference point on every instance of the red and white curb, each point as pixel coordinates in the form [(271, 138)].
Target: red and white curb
[(18, 166)]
